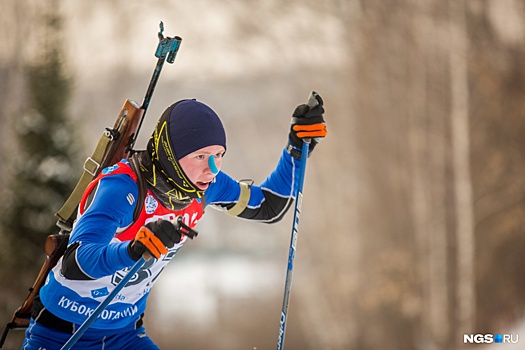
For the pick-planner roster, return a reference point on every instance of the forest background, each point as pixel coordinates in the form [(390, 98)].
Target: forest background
[(412, 230)]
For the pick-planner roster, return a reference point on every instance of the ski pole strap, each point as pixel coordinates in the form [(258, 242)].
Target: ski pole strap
[(66, 215), (242, 202)]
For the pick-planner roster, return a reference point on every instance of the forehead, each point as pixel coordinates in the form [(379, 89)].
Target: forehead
[(210, 150)]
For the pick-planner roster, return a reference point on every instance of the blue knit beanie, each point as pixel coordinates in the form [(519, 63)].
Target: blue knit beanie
[(192, 126), (184, 127)]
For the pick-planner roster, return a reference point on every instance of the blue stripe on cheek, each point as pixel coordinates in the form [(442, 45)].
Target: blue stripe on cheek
[(211, 164)]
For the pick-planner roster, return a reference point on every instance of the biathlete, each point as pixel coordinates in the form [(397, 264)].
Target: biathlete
[(180, 169)]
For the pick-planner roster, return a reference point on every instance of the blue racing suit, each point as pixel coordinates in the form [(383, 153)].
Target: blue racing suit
[(97, 259)]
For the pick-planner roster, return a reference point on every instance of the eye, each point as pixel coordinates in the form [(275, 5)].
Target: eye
[(200, 156), (219, 155)]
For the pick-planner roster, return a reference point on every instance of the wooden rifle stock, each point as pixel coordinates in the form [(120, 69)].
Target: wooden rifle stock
[(124, 133), (54, 248)]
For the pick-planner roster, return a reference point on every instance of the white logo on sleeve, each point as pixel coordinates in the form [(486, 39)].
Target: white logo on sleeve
[(130, 198)]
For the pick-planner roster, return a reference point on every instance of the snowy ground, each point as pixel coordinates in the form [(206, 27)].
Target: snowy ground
[(201, 282)]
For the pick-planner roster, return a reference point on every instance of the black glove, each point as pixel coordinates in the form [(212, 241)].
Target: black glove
[(309, 123), (155, 238)]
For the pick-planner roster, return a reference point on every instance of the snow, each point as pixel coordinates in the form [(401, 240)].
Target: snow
[(192, 288)]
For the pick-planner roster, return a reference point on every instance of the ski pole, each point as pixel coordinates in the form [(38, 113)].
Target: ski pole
[(312, 102), (182, 227), (102, 306)]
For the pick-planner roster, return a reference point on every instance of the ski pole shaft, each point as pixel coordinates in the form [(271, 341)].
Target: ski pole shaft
[(89, 321), (312, 102)]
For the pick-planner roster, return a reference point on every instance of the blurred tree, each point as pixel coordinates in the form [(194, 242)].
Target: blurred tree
[(461, 155), (40, 167), (435, 94), (497, 83)]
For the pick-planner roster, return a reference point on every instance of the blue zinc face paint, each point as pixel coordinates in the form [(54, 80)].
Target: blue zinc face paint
[(211, 164)]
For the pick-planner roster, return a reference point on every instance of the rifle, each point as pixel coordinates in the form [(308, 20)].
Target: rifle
[(115, 144)]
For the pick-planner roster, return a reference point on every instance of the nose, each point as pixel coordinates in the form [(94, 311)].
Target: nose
[(212, 165)]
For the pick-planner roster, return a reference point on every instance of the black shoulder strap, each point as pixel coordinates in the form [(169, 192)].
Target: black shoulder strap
[(203, 201), (141, 183)]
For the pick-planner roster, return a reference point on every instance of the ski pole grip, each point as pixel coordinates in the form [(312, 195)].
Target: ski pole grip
[(312, 102), (183, 228)]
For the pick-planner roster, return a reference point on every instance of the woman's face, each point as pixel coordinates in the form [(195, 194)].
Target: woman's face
[(195, 165)]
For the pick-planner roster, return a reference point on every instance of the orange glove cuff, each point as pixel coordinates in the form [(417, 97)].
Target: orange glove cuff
[(311, 130), (152, 243)]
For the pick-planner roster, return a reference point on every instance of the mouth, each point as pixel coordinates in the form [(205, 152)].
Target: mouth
[(202, 185)]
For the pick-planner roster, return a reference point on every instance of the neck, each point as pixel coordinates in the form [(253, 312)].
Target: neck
[(169, 196)]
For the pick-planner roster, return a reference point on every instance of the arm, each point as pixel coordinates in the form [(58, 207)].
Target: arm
[(270, 201), (91, 253)]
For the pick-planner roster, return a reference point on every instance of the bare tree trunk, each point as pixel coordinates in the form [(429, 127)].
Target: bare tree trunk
[(428, 144), (466, 298), (421, 202), (12, 54), (438, 283)]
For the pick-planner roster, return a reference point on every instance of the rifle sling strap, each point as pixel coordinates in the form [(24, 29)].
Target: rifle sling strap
[(67, 213)]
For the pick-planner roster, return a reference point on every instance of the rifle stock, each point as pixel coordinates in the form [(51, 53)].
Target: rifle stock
[(55, 247), (126, 126), (114, 145)]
